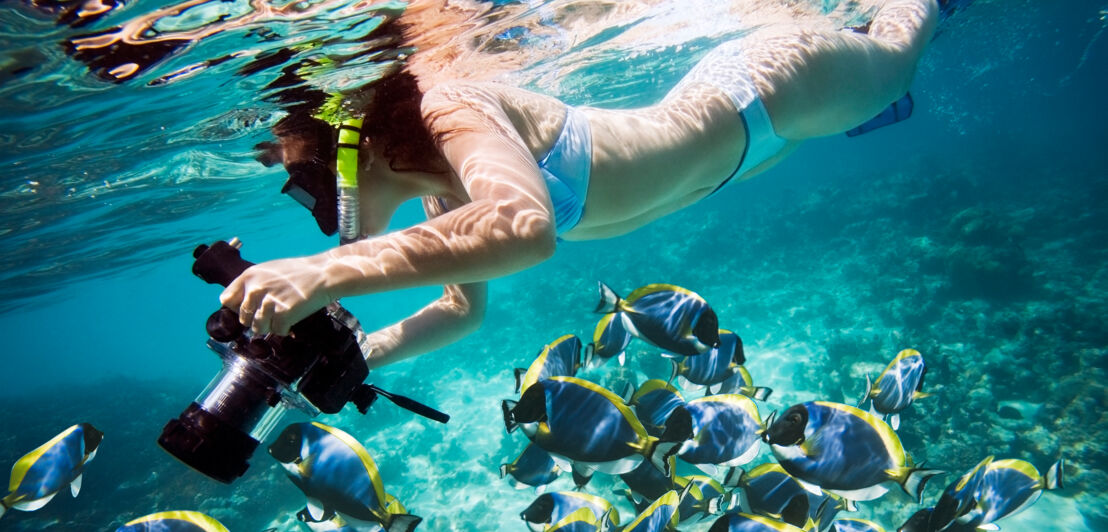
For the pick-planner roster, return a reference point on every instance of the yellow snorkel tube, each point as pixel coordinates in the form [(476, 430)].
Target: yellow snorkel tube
[(346, 177)]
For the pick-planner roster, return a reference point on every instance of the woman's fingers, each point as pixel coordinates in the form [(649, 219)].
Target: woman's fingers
[(231, 297), (250, 305), (263, 317)]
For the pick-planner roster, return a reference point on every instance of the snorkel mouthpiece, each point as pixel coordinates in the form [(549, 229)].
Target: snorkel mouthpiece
[(346, 168)]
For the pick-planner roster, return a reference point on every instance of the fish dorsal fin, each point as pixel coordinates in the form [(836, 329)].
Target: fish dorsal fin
[(1053, 477), (32, 505), (609, 301), (75, 486)]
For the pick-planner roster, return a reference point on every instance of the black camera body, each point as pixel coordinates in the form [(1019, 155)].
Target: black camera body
[(318, 367)]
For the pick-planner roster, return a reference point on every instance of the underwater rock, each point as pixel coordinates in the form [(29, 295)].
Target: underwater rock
[(985, 258), (1018, 409)]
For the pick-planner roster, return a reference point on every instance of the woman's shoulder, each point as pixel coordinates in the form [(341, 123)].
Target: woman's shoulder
[(503, 95), (535, 117)]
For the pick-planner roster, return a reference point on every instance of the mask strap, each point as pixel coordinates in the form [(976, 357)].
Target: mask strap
[(346, 177)]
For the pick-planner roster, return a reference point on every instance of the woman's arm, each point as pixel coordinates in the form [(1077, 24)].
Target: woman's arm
[(455, 315), (506, 227)]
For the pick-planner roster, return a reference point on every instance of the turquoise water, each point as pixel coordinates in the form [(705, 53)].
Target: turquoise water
[(974, 232)]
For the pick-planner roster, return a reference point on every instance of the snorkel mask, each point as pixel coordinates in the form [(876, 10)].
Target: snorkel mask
[(332, 201)]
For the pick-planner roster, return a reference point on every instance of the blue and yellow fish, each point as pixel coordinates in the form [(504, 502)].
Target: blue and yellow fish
[(653, 402), (959, 497), (670, 317), (727, 432), (742, 382), (181, 521), (581, 520), (991, 491), (610, 339), (855, 525), (562, 357), (768, 490), (843, 450), (716, 366), (646, 483), (42, 473), (337, 474), (661, 516), (897, 387), (533, 467), (590, 428), (332, 522), (550, 508), (705, 496), (1007, 488), (742, 522)]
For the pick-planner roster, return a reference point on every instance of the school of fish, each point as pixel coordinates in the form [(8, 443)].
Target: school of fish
[(828, 455)]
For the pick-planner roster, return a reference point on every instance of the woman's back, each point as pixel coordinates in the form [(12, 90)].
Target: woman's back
[(646, 162)]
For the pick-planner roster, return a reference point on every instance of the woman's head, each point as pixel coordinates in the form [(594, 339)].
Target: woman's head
[(394, 142)]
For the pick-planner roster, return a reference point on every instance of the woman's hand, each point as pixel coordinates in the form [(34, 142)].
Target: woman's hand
[(273, 296)]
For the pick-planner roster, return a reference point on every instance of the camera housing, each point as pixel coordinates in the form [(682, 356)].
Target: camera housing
[(318, 367)]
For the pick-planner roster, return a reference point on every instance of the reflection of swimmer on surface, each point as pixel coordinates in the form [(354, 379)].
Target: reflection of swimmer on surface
[(506, 173)]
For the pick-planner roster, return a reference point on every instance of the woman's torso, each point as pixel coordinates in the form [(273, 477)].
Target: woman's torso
[(646, 162)]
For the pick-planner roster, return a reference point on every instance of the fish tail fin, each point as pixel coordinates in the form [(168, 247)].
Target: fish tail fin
[(609, 300), (590, 354), (740, 500), (734, 477), (819, 517), (677, 430), (509, 422), (627, 393), (519, 377), (605, 523), (673, 372), (914, 480), (3, 507), (659, 452), (716, 504), (869, 390), (1053, 477), (678, 426), (403, 522), (503, 470), (894, 421), (759, 393)]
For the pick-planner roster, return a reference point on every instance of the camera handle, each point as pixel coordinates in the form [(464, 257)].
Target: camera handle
[(365, 395), (221, 262)]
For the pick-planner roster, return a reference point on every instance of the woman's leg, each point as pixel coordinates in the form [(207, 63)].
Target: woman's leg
[(817, 83)]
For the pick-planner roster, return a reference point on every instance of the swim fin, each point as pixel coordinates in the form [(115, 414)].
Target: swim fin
[(899, 110), (949, 7)]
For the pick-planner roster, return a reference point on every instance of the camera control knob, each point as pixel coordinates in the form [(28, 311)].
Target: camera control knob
[(223, 325)]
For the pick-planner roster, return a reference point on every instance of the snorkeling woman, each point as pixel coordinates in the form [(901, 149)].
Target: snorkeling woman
[(505, 173)]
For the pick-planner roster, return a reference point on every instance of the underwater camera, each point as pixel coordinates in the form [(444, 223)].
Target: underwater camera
[(317, 367)]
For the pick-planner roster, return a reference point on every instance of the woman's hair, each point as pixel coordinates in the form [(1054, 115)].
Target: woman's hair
[(392, 123)]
